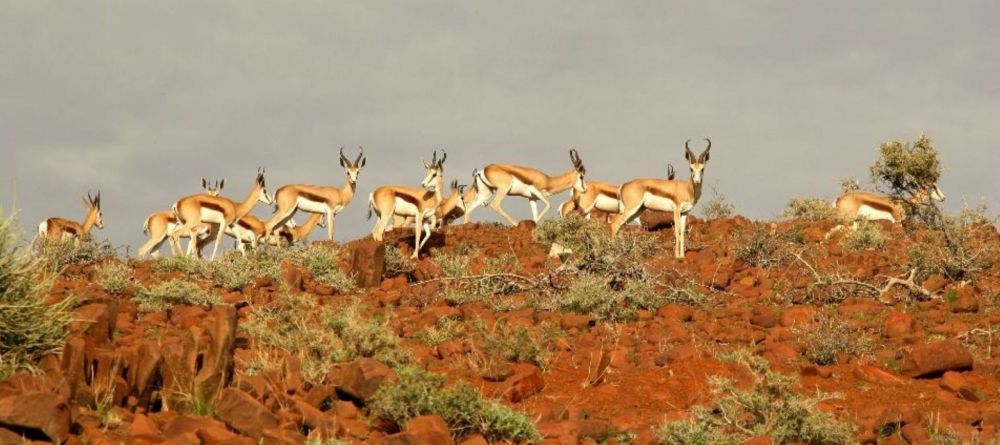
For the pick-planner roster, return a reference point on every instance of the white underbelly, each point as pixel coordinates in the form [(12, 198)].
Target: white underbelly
[(212, 216), (405, 208), (518, 188), (872, 214), (240, 233), (606, 203), (310, 206), (654, 202)]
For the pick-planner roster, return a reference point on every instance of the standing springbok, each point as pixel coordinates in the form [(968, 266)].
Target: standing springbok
[(216, 211), (602, 196), (58, 229), (163, 224), (419, 203), (507, 179), (857, 205), (326, 200), (452, 208), (664, 195)]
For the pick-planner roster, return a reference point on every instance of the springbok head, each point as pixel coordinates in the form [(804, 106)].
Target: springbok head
[(93, 205), (435, 171), (213, 189), (352, 168), (260, 188), (697, 162)]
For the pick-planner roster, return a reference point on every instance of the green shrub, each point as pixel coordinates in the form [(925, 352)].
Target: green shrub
[(717, 207), (235, 271), (831, 336), (182, 263), (30, 328), (596, 251), (516, 344), (768, 408), (57, 254), (418, 393), (593, 295), (810, 209), (115, 277), (322, 337), (396, 263), (164, 296), (321, 262), (758, 246), (905, 168), (866, 237), (443, 330), (959, 247)]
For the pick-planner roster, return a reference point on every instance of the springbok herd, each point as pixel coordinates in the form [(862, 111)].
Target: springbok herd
[(202, 217)]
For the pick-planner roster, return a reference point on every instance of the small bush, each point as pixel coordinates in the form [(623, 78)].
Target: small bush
[(596, 251), (58, 254), (866, 237), (904, 168), (958, 248), (235, 271), (363, 337), (717, 207), (593, 295), (768, 408), (848, 185), (418, 393), (689, 295), (830, 337), (516, 344), (758, 246), (443, 330), (164, 296), (810, 209), (182, 263), (396, 263), (321, 262), (30, 328), (115, 277)]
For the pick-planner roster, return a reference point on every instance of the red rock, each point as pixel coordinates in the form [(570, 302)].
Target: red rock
[(243, 413), (967, 302), (44, 412), (527, 225), (797, 315), (937, 357), (952, 381), (292, 276), (876, 375), (897, 325), (364, 376), (915, 433), (575, 321), (367, 262), (972, 394), (143, 427), (759, 440), (423, 430), (526, 382), (475, 439), (675, 312), (934, 283)]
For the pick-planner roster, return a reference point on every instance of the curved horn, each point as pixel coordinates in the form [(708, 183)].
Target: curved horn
[(360, 155), (342, 157), (434, 158), (670, 171), (709, 144), (444, 155)]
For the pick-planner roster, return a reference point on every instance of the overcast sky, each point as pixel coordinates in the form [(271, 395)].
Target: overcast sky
[(143, 99)]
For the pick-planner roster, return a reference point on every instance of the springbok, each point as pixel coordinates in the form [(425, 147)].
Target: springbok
[(163, 224), (664, 195), (602, 196), (58, 229), (857, 205), (419, 203), (216, 211), (326, 200), (291, 233), (452, 208), (507, 179)]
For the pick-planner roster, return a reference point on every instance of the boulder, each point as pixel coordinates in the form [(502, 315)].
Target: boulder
[(44, 412), (363, 377), (935, 358), (423, 430), (367, 262), (243, 413), (526, 382)]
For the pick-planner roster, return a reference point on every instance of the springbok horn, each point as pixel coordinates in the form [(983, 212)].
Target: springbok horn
[(360, 155), (709, 144), (444, 155)]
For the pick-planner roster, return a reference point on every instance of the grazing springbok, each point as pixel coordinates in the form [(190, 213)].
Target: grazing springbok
[(326, 200), (163, 224), (291, 233), (58, 229), (602, 196), (507, 179), (420, 203), (664, 195), (857, 205), (216, 211)]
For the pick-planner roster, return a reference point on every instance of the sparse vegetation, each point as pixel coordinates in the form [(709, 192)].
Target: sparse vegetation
[(758, 246), (446, 328), (164, 296), (903, 169), (57, 254), (957, 250), (768, 408), (830, 337), (321, 262), (593, 295), (717, 206), (181, 263), (867, 236), (30, 327), (396, 263), (810, 209), (515, 344), (418, 392), (115, 278), (596, 251)]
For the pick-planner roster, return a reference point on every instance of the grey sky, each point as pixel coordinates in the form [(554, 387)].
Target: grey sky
[(142, 99)]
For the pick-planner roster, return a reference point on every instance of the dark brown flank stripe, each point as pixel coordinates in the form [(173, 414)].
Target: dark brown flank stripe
[(312, 196), (878, 205), (213, 206), (609, 193)]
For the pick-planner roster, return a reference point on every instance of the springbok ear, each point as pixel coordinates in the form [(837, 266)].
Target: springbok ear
[(362, 163), (342, 162), (204, 183), (670, 171), (222, 184)]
